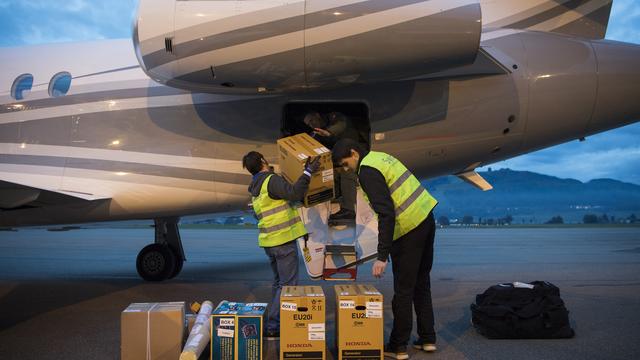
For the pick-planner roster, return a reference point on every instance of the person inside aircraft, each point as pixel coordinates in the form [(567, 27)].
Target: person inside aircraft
[(279, 225), (329, 129)]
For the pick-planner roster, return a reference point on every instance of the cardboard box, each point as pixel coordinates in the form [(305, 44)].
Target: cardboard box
[(236, 331), (359, 322), (302, 323), (152, 331), (293, 152)]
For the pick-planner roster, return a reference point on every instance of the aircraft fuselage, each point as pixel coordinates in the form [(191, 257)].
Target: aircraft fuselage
[(153, 151)]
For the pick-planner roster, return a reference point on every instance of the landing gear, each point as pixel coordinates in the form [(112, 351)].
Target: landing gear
[(164, 259), (156, 262)]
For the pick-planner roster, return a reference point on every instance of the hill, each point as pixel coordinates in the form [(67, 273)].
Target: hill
[(534, 198)]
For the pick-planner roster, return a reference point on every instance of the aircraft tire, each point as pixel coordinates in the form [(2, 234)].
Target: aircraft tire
[(156, 262), (179, 264)]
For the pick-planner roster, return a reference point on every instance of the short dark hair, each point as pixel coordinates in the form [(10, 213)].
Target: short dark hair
[(342, 149), (252, 162), (315, 120)]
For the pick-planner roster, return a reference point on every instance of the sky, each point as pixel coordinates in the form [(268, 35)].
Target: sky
[(613, 154)]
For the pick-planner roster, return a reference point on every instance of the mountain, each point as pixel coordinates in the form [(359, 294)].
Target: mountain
[(534, 198)]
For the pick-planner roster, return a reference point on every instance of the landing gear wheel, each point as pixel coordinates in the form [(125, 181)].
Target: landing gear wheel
[(178, 267), (156, 262)]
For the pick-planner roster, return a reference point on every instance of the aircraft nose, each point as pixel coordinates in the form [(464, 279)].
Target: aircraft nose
[(617, 102)]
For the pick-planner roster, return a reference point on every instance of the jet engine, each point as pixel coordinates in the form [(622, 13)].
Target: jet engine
[(264, 46)]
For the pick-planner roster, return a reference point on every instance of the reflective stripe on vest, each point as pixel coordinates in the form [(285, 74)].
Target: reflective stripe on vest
[(272, 211), (411, 201), (278, 222), (284, 225)]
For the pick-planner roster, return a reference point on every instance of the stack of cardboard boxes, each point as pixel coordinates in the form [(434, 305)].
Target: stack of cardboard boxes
[(359, 322), (157, 330)]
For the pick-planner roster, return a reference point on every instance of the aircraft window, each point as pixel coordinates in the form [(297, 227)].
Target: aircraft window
[(59, 84), (21, 85)]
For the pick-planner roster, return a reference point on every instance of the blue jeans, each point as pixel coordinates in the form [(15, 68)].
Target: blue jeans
[(284, 263)]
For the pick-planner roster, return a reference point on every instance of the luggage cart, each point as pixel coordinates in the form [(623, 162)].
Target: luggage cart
[(333, 253)]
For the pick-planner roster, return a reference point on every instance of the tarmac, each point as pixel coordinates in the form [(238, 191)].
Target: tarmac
[(61, 293)]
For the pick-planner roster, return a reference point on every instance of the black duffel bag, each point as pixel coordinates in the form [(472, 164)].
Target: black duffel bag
[(521, 311)]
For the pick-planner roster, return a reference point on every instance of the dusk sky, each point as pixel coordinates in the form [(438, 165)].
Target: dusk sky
[(613, 154)]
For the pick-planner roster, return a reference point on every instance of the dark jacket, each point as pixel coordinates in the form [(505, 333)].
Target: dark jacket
[(341, 127), (279, 188)]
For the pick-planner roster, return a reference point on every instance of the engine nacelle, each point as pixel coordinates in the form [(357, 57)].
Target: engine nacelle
[(280, 46)]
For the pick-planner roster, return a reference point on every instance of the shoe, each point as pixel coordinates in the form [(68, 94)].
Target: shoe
[(424, 346), (343, 214), (399, 353), (272, 335)]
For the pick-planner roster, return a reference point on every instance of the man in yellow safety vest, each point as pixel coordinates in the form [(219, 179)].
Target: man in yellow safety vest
[(406, 230), (279, 225)]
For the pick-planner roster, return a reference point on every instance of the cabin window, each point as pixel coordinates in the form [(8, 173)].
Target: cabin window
[(21, 85), (59, 84)]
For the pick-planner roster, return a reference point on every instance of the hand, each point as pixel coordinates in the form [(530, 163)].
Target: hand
[(312, 166), (322, 132), (378, 268)]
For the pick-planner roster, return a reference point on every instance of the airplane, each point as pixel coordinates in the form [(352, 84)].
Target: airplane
[(154, 127)]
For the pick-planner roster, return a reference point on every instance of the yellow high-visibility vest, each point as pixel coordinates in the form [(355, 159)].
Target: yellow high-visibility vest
[(278, 222), (411, 201)]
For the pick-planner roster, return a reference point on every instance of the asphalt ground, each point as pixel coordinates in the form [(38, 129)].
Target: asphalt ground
[(61, 293)]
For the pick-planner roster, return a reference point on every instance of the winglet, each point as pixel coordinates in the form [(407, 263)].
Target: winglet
[(473, 178)]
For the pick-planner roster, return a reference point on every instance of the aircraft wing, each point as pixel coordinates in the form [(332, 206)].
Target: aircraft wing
[(15, 196)]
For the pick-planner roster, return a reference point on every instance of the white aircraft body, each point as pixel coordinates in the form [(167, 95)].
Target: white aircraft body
[(154, 127)]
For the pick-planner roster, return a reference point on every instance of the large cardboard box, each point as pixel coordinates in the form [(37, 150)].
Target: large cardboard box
[(152, 331), (359, 322), (293, 152), (236, 331), (302, 323)]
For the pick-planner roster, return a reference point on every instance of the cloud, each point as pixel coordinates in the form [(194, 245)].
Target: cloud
[(624, 24), (45, 21)]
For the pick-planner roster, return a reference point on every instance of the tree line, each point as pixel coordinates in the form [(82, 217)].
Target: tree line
[(508, 220)]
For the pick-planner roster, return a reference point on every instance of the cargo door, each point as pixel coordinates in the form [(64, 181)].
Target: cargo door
[(357, 114)]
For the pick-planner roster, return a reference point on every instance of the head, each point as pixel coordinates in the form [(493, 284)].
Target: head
[(254, 162), (315, 120), (347, 153)]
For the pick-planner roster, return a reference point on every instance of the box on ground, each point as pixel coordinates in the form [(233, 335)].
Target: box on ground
[(152, 331), (293, 152), (302, 323), (359, 322), (236, 331)]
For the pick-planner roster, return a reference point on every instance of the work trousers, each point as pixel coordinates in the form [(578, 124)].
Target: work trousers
[(284, 264), (411, 259), (347, 182)]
